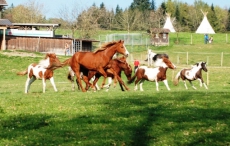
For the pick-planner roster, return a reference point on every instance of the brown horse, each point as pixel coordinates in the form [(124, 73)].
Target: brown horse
[(113, 70), (194, 73), (43, 70), (95, 61), (153, 74)]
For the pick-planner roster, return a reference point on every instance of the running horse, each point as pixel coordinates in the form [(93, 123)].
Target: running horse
[(153, 74), (95, 61), (43, 70), (152, 58), (113, 70), (194, 73)]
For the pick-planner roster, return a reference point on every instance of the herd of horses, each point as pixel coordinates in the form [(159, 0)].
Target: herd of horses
[(90, 66)]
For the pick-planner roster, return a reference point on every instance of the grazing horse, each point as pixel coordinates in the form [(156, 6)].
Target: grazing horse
[(43, 70), (153, 58), (194, 73), (95, 61), (113, 70), (153, 74)]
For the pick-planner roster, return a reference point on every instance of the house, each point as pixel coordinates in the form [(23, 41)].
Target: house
[(159, 36)]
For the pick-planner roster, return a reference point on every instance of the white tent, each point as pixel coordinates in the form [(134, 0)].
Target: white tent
[(205, 27), (168, 23)]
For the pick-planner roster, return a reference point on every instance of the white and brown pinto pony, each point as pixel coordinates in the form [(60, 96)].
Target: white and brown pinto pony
[(194, 73), (152, 58), (43, 70), (153, 74)]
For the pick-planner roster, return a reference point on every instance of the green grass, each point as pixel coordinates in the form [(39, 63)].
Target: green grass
[(176, 117)]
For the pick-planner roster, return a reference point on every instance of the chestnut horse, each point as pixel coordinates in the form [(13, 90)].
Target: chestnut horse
[(43, 70), (153, 74), (113, 70), (71, 76), (195, 73), (95, 61)]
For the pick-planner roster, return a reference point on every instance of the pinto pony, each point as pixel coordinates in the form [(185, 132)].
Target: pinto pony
[(95, 61), (43, 70), (153, 74), (194, 73), (152, 58)]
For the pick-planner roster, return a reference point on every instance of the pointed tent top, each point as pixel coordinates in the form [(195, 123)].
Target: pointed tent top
[(168, 23), (205, 27)]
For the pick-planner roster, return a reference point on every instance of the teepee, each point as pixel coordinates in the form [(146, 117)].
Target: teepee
[(205, 27), (168, 23)]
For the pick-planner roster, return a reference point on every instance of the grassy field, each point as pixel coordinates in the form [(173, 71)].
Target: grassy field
[(176, 117)]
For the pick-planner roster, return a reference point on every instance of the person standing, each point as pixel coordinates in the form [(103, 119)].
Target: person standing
[(67, 49), (206, 38), (136, 64)]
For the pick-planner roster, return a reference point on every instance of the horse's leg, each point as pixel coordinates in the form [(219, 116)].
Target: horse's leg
[(166, 84), (202, 82), (53, 84), (96, 85), (121, 83), (141, 84), (78, 76), (192, 85), (29, 81), (185, 84), (157, 85), (136, 82), (110, 80), (44, 84)]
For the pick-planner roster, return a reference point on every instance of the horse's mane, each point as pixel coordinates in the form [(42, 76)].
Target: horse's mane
[(105, 46)]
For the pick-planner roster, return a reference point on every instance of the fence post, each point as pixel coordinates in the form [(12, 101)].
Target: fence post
[(191, 39), (187, 58), (221, 61)]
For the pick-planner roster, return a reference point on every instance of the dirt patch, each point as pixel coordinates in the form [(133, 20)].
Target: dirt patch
[(22, 54)]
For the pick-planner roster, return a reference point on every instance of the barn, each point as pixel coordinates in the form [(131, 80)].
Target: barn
[(159, 36)]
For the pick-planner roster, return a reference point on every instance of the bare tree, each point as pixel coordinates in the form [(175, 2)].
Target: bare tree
[(30, 12), (88, 22), (69, 15)]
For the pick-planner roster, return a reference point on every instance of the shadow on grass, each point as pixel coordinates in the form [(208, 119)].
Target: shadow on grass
[(186, 119)]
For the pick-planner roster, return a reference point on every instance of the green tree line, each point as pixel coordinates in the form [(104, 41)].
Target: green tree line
[(141, 15)]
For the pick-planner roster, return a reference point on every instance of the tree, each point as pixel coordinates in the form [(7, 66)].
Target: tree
[(153, 5), (228, 21), (141, 5), (30, 12)]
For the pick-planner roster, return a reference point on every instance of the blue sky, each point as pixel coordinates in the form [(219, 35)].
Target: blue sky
[(53, 6)]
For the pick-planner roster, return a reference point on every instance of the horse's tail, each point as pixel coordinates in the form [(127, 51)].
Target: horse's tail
[(66, 62), (176, 79), (132, 79), (22, 73)]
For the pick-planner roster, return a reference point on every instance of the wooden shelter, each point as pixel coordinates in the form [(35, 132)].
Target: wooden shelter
[(159, 36), (4, 23)]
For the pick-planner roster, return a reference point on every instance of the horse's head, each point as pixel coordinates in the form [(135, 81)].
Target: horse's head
[(168, 63), (125, 67), (204, 66), (128, 71), (121, 48), (53, 62)]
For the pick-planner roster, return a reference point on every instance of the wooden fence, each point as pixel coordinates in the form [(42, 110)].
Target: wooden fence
[(37, 44)]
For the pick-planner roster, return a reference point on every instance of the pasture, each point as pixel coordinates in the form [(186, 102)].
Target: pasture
[(176, 117)]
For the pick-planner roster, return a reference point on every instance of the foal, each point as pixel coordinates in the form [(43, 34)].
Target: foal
[(153, 74), (43, 70), (195, 73)]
